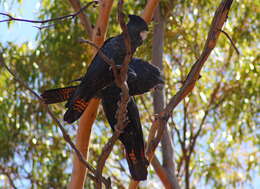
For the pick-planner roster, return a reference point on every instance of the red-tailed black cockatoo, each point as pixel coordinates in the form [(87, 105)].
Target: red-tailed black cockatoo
[(146, 77), (99, 74)]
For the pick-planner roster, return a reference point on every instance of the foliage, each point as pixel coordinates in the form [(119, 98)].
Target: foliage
[(224, 101)]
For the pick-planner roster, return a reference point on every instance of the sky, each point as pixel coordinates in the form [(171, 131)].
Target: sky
[(20, 32)]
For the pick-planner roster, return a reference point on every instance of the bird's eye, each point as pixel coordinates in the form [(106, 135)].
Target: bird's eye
[(143, 35)]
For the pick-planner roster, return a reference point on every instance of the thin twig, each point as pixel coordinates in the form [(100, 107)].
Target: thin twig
[(11, 18), (45, 27), (231, 41), (64, 132)]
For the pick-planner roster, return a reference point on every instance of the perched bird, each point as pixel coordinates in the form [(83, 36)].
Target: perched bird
[(99, 74), (58, 95), (144, 77), (147, 77)]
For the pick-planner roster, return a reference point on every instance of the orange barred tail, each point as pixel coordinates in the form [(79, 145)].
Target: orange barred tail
[(53, 96), (75, 110)]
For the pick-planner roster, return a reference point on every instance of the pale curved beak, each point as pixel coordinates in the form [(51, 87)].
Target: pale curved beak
[(143, 35)]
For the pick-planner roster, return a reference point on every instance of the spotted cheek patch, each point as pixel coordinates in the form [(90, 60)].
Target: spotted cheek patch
[(80, 105)]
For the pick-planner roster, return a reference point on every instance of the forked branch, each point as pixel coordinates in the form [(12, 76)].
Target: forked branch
[(217, 23)]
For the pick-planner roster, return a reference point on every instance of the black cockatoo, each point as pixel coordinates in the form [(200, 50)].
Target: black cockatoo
[(99, 74), (144, 77), (147, 77), (132, 135)]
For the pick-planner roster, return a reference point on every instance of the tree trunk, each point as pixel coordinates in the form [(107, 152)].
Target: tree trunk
[(158, 96), (89, 115)]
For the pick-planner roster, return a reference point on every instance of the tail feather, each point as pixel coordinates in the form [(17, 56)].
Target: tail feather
[(132, 136), (58, 95), (137, 165), (75, 110)]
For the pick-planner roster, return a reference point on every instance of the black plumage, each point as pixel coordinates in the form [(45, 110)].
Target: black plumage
[(58, 95), (99, 74), (145, 78), (132, 136), (142, 77)]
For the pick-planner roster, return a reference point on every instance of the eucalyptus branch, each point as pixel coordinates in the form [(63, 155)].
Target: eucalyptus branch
[(70, 16), (64, 132), (120, 81), (217, 22)]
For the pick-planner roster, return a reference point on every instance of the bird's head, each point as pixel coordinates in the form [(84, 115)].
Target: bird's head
[(137, 28), (148, 77)]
